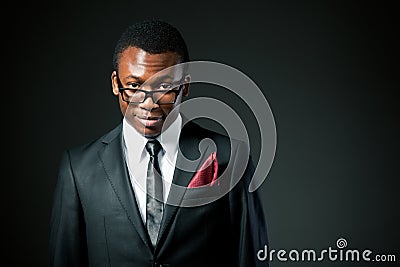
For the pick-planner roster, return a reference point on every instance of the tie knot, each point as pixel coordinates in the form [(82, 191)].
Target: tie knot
[(153, 147)]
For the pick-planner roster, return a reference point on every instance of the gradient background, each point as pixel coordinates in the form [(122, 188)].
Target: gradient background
[(327, 68)]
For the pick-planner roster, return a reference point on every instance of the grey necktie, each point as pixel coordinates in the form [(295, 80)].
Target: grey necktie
[(154, 187)]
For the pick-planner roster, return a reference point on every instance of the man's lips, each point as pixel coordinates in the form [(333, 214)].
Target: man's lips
[(150, 121)]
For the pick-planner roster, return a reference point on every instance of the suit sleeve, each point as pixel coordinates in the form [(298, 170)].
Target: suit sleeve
[(67, 226), (248, 221)]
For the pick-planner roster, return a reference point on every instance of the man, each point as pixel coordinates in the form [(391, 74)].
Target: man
[(117, 201)]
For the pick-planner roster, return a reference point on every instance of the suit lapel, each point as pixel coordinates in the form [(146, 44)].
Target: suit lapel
[(113, 160), (188, 144)]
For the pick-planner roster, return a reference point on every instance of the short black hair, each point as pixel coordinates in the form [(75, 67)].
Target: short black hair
[(153, 36)]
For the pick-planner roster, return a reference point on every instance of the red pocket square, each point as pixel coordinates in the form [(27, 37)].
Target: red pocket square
[(207, 174)]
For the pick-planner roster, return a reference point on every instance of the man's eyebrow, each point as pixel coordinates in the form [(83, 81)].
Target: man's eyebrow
[(138, 79), (161, 77), (153, 78)]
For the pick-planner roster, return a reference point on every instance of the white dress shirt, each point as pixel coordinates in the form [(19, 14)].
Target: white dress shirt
[(137, 159)]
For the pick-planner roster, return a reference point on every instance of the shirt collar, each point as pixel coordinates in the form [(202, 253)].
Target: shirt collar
[(135, 143)]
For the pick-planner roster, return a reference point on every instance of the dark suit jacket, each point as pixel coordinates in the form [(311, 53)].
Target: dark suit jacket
[(96, 222)]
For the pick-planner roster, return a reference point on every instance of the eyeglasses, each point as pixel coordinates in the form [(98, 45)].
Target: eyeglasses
[(137, 96)]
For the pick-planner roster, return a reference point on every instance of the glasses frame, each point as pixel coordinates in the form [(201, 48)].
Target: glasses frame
[(148, 93), (151, 93)]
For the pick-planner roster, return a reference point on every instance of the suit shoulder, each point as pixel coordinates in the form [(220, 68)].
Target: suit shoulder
[(196, 130), (218, 137), (224, 144)]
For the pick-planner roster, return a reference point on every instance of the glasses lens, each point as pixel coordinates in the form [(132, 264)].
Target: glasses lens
[(160, 97), (165, 97), (134, 96)]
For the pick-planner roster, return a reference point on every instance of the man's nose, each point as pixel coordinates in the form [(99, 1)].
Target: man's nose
[(148, 103)]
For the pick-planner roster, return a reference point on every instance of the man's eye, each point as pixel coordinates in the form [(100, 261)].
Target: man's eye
[(134, 85), (165, 86)]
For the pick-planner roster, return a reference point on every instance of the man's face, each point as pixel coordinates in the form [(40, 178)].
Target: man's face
[(136, 66)]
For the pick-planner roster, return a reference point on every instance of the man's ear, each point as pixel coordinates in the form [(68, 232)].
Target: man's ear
[(114, 82), (186, 86)]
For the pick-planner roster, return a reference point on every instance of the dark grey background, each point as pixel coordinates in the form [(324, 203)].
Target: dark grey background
[(328, 69)]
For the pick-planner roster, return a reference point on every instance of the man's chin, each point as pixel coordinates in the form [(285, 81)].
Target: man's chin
[(148, 128), (151, 134), (148, 132)]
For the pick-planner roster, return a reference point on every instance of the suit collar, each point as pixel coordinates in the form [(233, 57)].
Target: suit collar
[(110, 136)]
